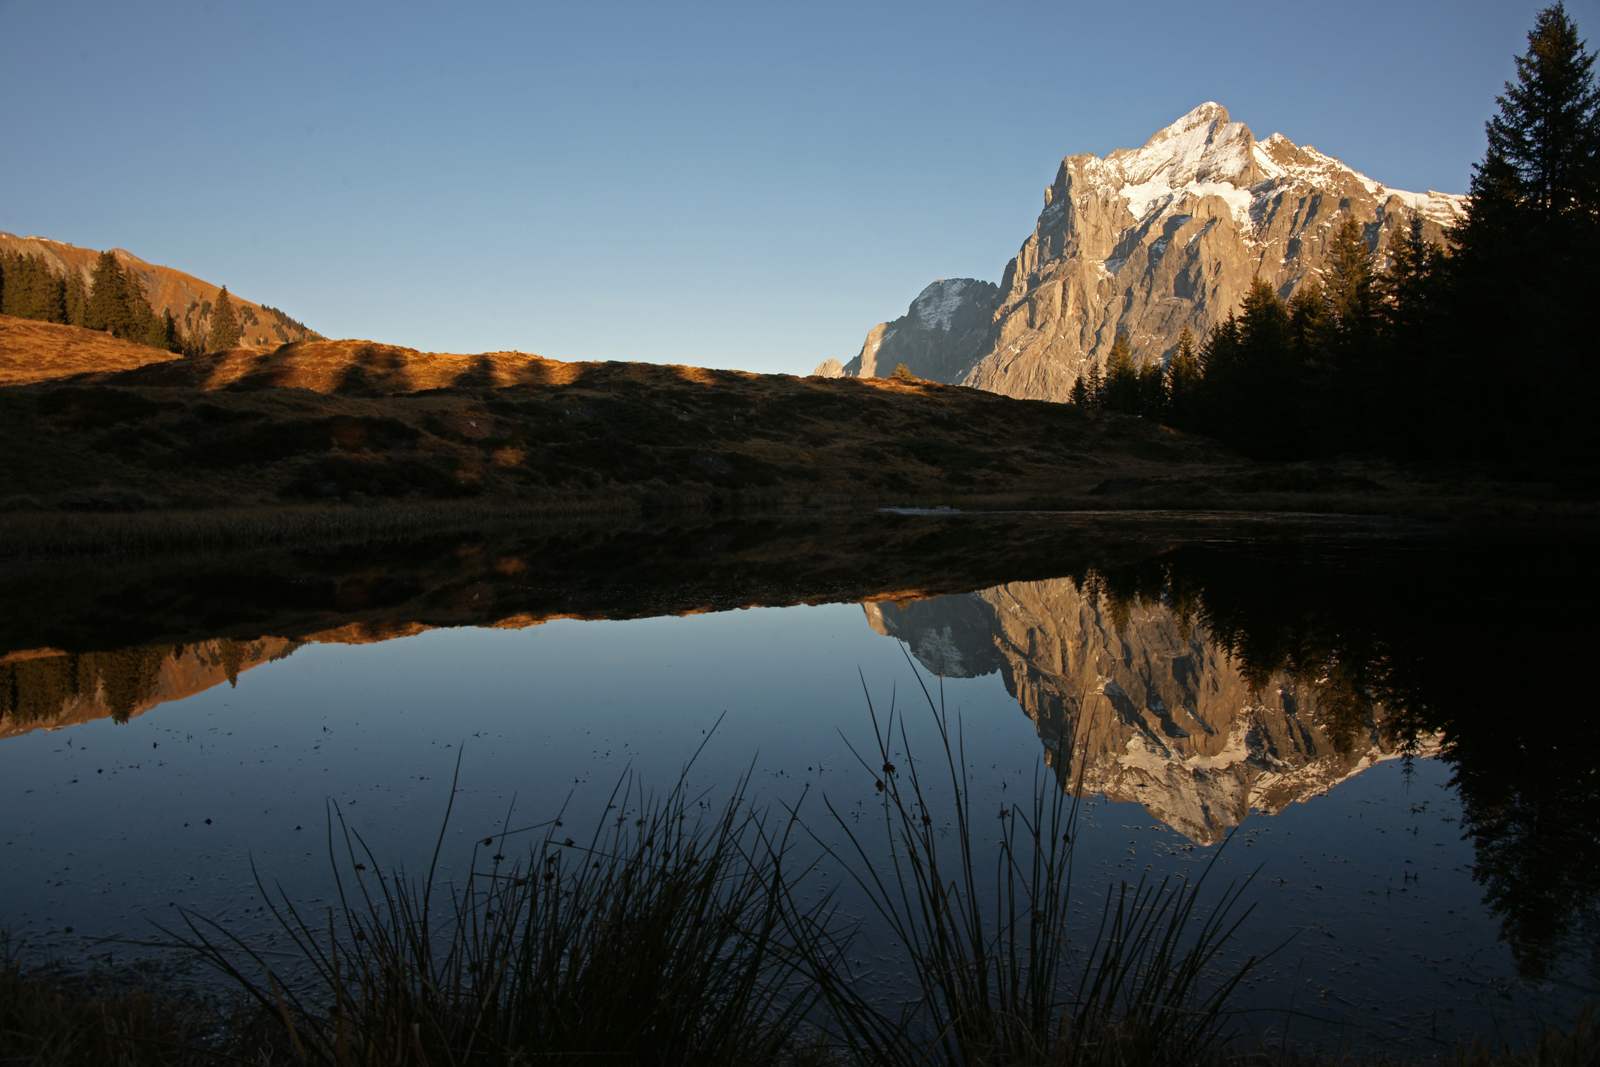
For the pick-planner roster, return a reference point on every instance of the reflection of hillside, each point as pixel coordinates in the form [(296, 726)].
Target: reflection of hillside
[(47, 689), (1160, 713)]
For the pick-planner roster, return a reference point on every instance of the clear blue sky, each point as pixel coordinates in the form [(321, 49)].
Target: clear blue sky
[(750, 185)]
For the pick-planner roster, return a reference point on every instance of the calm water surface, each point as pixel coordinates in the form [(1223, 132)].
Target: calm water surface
[(1387, 728)]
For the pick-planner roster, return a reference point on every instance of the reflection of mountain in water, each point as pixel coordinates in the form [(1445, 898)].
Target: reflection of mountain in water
[(49, 689), (1160, 712)]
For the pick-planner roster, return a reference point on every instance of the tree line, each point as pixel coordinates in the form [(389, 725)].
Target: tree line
[(1479, 347), (113, 301)]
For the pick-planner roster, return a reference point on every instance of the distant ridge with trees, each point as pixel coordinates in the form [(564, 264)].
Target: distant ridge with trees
[(137, 301)]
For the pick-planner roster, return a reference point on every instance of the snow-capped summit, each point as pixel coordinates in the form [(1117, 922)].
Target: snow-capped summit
[(1146, 241)]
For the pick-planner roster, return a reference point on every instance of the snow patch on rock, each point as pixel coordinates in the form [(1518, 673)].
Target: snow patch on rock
[(937, 304)]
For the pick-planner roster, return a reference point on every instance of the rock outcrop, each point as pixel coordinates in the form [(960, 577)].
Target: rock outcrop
[(1156, 711), (1147, 242), (937, 338)]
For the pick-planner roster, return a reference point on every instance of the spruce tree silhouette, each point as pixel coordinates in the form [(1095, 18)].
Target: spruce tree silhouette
[(225, 331)]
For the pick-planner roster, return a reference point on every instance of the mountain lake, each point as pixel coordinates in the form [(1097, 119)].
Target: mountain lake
[(1376, 730)]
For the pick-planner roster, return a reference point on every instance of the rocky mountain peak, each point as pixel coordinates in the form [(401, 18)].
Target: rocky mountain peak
[(1143, 242), (1202, 146), (1159, 711)]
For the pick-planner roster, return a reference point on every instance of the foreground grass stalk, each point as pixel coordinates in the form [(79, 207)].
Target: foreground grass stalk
[(662, 939), (993, 961)]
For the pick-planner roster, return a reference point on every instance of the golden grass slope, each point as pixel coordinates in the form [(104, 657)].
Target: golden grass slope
[(39, 351), (356, 421), (353, 368), (167, 289)]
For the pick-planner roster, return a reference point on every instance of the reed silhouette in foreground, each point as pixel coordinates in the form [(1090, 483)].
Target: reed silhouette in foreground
[(1001, 981), (678, 932), (664, 937), (672, 937)]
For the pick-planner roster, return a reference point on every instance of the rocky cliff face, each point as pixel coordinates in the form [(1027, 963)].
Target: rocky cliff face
[(938, 337), (1149, 241), (1157, 712)]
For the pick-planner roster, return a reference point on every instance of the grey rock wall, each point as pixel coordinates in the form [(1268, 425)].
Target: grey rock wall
[(940, 335)]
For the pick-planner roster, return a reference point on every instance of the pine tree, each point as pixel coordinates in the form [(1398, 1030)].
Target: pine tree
[(1095, 387), (1350, 276), (76, 298), (1080, 393), (1522, 276), (1408, 306), (1122, 379), (225, 330), (29, 289), (1183, 384), (1311, 322), (108, 307), (1405, 289), (1152, 389), (1547, 135)]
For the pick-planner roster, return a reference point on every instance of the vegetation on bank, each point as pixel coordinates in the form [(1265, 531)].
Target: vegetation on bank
[(1478, 350)]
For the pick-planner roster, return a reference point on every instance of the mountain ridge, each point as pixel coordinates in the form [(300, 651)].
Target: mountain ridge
[(190, 299), (1146, 242)]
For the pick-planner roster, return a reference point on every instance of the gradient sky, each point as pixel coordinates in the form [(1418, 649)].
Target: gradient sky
[(747, 186)]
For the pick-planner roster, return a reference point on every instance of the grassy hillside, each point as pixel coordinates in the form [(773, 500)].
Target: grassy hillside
[(354, 421), (96, 425), (187, 297), (33, 351)]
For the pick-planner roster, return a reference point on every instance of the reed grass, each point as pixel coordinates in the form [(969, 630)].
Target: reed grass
[(1001, 982), (664, 938), (674, 933), (49, 1018)]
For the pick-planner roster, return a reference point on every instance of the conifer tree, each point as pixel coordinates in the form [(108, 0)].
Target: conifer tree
[(1405, 289), (1183, 384), (1548, 130), (76, 298), (29, 289), (225, 330), (1311, 323), (1522, 276), (1095, 387), (1080, 393), (1122, 378), (108, 308), (1152, 389), (1350, 276)]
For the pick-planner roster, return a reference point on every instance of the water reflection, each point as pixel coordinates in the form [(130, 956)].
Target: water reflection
[(1211, 680), (1151, 703), (1201, 670)]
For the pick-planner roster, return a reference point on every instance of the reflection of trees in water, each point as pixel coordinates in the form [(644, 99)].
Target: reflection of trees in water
[(1438, 644), (1269, 625), (37, 691)]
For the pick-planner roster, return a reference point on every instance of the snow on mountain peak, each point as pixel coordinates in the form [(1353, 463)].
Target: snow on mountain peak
[(1202, 146), (938, 302), (1205, 153)]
